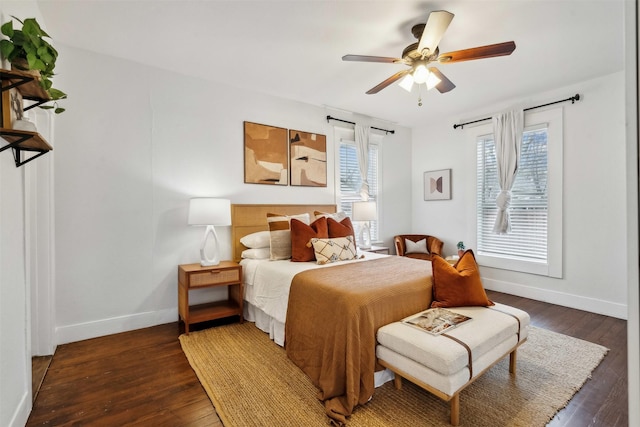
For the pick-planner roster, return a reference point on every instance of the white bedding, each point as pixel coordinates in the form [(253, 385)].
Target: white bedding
[(266, 290)]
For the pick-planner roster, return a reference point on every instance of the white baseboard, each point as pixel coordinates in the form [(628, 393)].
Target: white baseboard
[(592, 305), (99, 328), (21, 415)]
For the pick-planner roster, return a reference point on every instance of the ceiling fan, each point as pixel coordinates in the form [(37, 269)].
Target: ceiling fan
[(420, 54)]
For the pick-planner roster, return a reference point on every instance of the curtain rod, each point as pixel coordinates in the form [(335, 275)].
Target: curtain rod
[(573, 99), (372, 127)]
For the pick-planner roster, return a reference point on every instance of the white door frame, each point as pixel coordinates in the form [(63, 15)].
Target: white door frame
[(39, 242)]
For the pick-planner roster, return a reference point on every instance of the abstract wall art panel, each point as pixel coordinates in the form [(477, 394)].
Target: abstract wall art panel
[(266, 160), (308, 159), (437, 185)]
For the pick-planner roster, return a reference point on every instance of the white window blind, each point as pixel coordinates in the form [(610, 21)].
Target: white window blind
[(350, 179), (529, 200)]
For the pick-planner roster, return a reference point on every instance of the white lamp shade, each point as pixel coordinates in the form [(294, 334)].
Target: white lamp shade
[(364, 211), (209, 211), (406, 83)]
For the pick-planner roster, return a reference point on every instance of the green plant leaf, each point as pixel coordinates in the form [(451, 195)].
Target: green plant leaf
[(19, 39), (31, 25), (59, 110), (46, 107), (7, 29), (43, 53), (6, 47), (57, 94)]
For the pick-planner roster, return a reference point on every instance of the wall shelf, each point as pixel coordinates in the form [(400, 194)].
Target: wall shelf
[(23, 141)]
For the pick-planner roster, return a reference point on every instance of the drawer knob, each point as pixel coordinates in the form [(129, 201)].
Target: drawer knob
[(215, 271)]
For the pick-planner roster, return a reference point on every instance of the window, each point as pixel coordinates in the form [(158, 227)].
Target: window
[(534, 243), (350, 178)]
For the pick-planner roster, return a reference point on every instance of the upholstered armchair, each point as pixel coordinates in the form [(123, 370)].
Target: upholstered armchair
[(433, 246)]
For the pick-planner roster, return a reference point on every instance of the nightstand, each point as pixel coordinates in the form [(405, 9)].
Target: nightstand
[(377, 249), (194, 276)]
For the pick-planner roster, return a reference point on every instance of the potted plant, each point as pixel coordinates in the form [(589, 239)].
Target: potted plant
[(460, 248), (26, 49)]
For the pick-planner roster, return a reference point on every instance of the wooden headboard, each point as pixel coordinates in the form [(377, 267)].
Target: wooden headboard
[(247, 219)]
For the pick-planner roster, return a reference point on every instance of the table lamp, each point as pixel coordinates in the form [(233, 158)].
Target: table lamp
[(364, 212), (210, 212)]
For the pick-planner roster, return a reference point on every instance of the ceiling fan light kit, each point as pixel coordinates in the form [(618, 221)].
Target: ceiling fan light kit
[(419, 55)]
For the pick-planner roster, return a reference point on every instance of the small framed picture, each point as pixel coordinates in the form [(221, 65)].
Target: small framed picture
[(437, 185), (11, 108), (307, 159)]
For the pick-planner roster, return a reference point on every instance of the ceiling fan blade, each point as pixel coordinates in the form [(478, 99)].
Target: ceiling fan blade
[(489, 51), (364, 58), (445, 84), (387, 82), (437, 24)]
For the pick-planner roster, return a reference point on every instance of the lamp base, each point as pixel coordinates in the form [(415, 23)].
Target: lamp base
[(205, 261), (365, 236)]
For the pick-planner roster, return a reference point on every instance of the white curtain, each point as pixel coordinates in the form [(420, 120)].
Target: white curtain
[(362, 146), (507, 133)]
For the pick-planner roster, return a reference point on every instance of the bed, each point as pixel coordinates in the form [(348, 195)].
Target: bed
[(326, 316)]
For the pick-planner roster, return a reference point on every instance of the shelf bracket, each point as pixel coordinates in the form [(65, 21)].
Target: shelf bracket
[(21, 80), (19, 162), (21, 138)]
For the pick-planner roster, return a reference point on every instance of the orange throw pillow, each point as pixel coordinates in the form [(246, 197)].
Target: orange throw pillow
[(301, 234), (458, 285), (343, 228)]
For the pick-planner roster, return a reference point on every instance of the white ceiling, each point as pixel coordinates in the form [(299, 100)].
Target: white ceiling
[(293, 49)]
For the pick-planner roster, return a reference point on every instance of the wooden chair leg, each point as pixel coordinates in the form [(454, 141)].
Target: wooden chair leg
[(455, 409), (512, 361)]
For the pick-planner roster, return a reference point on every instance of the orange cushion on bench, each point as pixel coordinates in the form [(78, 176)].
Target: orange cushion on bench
[(458, 285)]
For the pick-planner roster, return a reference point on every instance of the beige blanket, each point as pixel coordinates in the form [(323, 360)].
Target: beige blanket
[(333, 316)]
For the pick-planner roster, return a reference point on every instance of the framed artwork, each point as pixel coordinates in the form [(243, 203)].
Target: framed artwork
[(11, 108), (266, 160), (437, 185), (308, 159)]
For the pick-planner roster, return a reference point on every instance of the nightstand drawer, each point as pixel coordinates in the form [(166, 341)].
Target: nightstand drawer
[(213, 277)]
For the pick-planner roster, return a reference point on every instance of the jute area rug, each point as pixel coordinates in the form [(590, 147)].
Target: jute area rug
[(251, 382)]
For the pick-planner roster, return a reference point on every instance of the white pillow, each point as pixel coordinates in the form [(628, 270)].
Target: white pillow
[(419, 247), (256, 240), (335, 249), (338, 216), (257, 253)]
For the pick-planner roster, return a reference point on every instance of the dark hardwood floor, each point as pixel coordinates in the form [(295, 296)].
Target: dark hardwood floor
[(142, 378)]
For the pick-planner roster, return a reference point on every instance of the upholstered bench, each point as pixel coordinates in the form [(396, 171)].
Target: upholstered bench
[(445, 364)]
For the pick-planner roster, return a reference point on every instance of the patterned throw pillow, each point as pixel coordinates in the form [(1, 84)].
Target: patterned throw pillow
[(332, 250), (280, 234)]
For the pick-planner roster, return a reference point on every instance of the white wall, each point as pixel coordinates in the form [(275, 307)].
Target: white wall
[(15, 345), (595, 263), (133, 146)]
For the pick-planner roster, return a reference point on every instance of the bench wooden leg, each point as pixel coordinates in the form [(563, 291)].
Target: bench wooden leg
[(512, 361), (397, 382), (455, 409)]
